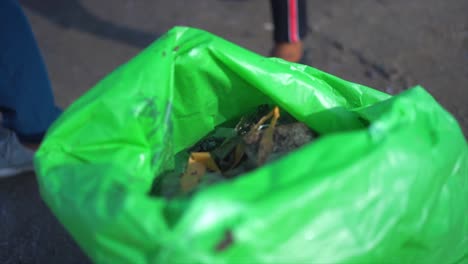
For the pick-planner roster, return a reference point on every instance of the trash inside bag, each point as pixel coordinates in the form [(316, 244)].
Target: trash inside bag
[(383, 179), (229, 152)]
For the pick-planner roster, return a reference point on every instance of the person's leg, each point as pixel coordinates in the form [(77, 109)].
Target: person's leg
[(290, 27), (26, 99)]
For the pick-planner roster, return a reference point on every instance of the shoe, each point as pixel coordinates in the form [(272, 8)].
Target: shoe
[(14, 157), (292, 52)]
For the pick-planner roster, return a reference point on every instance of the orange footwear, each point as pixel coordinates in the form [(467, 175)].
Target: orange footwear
[(288, 51)]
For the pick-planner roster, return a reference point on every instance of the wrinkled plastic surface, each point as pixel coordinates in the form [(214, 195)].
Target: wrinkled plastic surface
[(385, 183)]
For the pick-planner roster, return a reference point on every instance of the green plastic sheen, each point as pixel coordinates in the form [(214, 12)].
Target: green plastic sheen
[(386, 182)]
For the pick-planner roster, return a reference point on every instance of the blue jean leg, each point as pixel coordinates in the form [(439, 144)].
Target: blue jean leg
[(26, 99)]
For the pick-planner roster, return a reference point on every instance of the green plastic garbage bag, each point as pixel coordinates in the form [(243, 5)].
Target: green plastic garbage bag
[(385, 183)]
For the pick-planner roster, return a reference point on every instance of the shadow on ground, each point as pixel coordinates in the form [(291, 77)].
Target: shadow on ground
[(73, 14)]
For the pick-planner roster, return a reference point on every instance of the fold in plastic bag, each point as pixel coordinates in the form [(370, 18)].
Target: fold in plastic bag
[(385, 183)]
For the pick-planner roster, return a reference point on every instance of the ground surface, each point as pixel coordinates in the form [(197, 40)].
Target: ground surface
[(388, 45)]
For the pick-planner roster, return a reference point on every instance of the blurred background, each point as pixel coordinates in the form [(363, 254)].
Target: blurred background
[(389, 45)]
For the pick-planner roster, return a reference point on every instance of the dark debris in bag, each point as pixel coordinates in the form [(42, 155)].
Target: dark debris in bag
[(228, 152)]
